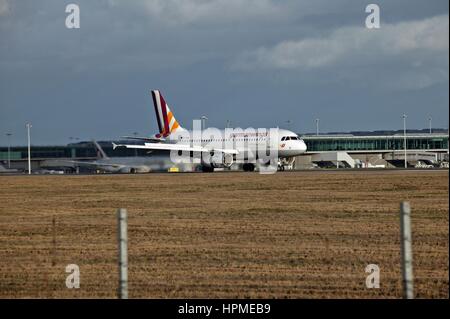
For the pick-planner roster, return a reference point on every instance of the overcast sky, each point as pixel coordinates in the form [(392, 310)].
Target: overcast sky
[(257, 63)]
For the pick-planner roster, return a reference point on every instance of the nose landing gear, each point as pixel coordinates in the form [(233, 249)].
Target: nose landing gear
[(286, 163)]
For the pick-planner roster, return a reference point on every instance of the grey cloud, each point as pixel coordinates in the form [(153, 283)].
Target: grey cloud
[(429, 35), (4, 7), (181, 12)]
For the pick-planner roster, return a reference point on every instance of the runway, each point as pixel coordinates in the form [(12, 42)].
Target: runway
[(222, 171)]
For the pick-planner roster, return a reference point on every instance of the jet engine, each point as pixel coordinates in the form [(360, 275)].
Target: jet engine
[(217, 159), (134, 169)]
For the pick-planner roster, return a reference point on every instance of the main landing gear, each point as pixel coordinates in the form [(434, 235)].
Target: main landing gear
[(248, 167), (207, 169)]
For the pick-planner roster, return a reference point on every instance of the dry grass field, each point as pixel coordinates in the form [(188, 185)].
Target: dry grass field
[(231, 235)]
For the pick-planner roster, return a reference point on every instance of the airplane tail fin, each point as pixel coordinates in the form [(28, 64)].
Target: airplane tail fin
[(167, 123), (100, 152)]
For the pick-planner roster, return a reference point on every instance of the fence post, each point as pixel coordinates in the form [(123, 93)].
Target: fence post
[(54, 241), (123, 254), (406, 251)]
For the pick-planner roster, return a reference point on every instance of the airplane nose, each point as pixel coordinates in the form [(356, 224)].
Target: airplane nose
[(302, 146)]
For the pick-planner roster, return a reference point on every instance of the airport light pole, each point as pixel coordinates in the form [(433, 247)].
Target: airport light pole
[(203, 118), (429, 122), (404, 138), (9, 149), (317, 126), (29, 147)]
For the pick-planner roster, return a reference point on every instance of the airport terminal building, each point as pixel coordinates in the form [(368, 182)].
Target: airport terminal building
[(375, 149), (350, 150)]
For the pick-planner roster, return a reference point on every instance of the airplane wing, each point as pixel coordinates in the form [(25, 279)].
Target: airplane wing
[(86, 164), (94, 164), (176, 147)]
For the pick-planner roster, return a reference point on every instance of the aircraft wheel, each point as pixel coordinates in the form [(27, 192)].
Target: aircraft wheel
[(207, 169), (248, 167)]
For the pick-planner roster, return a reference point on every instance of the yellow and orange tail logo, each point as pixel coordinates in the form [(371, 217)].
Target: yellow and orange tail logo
[(167, 123)]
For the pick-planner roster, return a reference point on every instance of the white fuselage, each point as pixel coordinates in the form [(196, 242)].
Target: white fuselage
[(286, 143)]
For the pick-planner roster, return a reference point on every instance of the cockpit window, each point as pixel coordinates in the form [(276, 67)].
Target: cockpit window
[(289, 138)]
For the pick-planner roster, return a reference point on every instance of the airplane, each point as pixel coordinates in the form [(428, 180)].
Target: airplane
[(7, 170), (120, 164), (173, 137)]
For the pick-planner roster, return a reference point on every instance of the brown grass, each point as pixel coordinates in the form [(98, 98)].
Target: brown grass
[(288, 235)]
